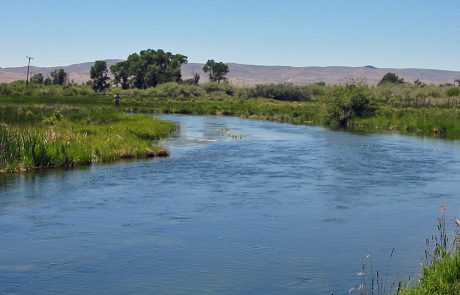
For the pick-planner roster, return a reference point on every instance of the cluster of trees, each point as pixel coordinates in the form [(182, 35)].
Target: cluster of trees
[(57, 77), (217, 70), (142, 70), (148, 69)]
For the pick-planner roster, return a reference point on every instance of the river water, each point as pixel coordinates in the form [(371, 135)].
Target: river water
[(240, 207)]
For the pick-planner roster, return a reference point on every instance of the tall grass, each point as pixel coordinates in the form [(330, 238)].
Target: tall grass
[(440, 273), (63, 136), (429, 110)]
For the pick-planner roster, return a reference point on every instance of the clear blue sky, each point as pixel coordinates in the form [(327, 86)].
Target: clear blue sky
[(391, 33)]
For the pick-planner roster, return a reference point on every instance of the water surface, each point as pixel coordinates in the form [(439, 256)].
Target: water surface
[(240, 206)]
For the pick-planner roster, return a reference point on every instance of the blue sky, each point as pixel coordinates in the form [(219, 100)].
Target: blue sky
[(391, 33)]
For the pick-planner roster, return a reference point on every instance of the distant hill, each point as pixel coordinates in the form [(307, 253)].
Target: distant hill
[(252, 74), (77, 72)]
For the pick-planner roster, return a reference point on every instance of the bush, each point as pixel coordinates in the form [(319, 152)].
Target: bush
[(391, 78), (454, 91), (317, 89), (349, 102), (285, 91), (223, 88), (172, 89)]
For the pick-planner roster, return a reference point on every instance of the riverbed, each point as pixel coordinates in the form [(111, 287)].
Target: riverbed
[(240, 206)]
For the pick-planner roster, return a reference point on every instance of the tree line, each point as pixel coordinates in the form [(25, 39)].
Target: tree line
[(57, 77), (142, 70)]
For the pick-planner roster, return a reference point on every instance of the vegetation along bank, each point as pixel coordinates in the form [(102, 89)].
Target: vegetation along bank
[(52, 121)]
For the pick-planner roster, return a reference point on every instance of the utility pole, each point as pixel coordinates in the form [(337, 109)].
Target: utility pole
[(28, 67)]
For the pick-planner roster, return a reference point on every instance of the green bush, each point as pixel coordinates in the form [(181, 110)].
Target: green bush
[(454, 91), (172, 89), (285, 91), (215, 87), (349, 102)]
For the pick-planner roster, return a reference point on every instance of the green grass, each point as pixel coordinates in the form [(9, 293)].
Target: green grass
[(95, 131), (442, 277), (43, 136), (426, 121)]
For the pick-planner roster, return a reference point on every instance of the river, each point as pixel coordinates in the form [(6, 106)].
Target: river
[(240, 206)]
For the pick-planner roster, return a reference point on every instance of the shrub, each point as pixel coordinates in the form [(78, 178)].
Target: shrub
[(349, 102), (172, 89), (391, 78), (454, 91), (223, 88), (285, 91)]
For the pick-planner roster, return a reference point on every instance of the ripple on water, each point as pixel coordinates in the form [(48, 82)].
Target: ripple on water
[(288, 209)]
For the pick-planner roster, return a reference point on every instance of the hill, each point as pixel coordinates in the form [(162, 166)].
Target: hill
[(253, 74)]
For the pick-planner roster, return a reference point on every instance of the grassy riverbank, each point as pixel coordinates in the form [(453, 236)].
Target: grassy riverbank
[(49, 126), (426, 110), (41, 136), (437, 122), (441, 273), (441, 277), (65, 131)]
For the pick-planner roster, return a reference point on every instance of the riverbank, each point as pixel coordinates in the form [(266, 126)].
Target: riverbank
[(424, 121), (441, 277), (66, 131), (35, 136)]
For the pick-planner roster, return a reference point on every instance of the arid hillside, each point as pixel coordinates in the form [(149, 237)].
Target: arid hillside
[(252, 74)]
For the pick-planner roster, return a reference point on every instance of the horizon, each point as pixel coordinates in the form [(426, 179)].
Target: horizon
[(236, 63), (385, 34)]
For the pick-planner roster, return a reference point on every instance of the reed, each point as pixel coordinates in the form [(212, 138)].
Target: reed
[(63, 136), (440, 272)]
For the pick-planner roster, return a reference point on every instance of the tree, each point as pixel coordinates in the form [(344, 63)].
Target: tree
[(149, 68), (217, 70), (47, 81), (391, 78), (98, 74), (58, 77), (120, 73), (196, 78), (351, 102), (193, 81), (37, 78)]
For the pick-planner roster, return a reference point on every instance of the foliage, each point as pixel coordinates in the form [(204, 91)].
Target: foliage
[(58, 77), (442, 277), (37, 78), (441, 273), (120, 71), (62, 136), (351, 101), (453, 91), (406, 108), (214, 88), (99, 76), (217, 70), (284, 91), (173, 89), (193, 81), (391, 78), (148, 69)]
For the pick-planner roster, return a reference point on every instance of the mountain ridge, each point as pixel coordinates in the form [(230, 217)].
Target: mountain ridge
[(248, 75)]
